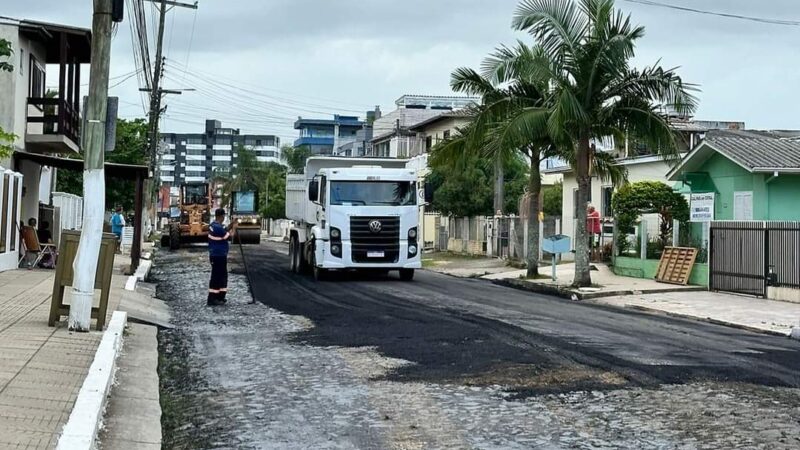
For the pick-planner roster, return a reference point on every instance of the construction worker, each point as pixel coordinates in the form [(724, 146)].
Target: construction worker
[(218, 235)]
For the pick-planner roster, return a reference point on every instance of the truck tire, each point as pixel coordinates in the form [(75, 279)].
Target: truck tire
[(165, 240), (406, 274), (174, 238), (293, 254), (319, 273)]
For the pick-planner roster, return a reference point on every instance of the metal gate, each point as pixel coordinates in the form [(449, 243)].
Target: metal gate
[(748, 257)]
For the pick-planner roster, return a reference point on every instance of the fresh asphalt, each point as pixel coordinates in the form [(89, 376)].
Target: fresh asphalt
[(470, 330)]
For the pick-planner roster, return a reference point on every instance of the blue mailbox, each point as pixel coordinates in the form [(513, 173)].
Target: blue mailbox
[(558, 243)]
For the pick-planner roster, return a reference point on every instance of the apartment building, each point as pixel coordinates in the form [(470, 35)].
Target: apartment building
[(195, 157)]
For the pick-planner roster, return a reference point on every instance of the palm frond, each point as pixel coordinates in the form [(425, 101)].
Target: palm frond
[(556, 24)]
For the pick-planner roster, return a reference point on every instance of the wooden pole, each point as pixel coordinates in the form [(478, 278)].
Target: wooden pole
[(136, 247), (94, 189)]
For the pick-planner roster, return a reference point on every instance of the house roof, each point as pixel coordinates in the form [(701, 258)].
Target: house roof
[(112, 170), (754, 151), (79, 40), (460, 114)]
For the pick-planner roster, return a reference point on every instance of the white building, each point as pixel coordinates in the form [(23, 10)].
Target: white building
[(393, 134), (44, 123)]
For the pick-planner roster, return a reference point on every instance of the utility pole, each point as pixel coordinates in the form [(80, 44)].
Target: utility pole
[(94, 185), (156, 92)]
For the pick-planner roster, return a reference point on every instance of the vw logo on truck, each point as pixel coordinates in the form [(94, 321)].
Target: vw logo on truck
[(375, 226)]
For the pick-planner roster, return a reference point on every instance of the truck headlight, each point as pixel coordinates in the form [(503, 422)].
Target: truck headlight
[(412, 233), (335, 233), (412, 249), (336, 250)]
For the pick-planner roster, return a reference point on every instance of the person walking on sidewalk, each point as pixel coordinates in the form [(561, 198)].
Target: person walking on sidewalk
[(218, 235), (117, 224)]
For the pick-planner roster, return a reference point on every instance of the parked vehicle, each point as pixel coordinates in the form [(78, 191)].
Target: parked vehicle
[(354, 213)]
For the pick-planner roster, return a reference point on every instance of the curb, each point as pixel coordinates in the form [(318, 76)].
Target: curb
[(87, 413), (571, 294), (141, 273)]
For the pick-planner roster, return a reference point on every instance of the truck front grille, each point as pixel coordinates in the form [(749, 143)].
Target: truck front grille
[(364, 239)]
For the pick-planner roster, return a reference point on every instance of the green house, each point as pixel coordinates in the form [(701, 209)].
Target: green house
[(753, 175)]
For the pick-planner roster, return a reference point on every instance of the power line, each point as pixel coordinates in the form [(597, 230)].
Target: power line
[(177, 65), (719, 14)]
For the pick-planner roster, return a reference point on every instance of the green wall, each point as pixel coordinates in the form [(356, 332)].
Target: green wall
[(776, 200), (783, 198), (646, 268)]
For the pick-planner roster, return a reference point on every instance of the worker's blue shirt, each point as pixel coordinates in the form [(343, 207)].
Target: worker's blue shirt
[(217, 240)]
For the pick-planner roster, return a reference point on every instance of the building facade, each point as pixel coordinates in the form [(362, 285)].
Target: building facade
[(641, 164), (44, 121), (394, 134), (336, 136), (195, 157)]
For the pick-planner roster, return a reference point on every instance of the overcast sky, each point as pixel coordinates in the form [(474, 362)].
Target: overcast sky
[(258, 64)]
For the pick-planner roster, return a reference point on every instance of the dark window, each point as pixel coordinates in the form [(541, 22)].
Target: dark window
[(36, 87), (194, 141), (446, 134), (223, 140), (428, 143), (608, 193), (373, 193)]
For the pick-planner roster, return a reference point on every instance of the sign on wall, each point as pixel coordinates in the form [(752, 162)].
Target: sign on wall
[(701, 207)]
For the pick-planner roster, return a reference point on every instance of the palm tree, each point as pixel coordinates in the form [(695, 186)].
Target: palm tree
[(500, 131), (593, 92)]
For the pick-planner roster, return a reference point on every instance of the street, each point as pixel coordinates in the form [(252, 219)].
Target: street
[(368, 361)]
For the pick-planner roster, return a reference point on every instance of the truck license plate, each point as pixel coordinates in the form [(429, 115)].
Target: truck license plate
[(375, 255)]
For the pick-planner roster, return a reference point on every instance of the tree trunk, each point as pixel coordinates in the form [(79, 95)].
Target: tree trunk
[(499, 187), (534, 192), (582, 275), (94, 190)]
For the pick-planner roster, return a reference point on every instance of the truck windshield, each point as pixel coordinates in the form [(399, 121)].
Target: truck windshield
[(373, 193), (195, 194)]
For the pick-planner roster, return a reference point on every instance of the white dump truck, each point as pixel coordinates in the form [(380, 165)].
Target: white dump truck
[(354, 213)]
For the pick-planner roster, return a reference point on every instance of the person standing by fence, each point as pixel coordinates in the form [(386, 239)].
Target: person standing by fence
[(117, 224)]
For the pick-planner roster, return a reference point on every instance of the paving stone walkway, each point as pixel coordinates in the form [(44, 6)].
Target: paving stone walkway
[(42, 368)]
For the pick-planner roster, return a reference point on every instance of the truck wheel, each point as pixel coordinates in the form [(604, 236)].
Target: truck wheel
[(293, 254), (406, 274), (174, 238), (319, 273), (165, 240)]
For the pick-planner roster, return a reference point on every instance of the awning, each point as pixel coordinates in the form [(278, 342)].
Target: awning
[(113, 170), (694, 182)]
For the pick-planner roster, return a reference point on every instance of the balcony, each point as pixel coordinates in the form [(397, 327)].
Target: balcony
[(53, 122), (53, 126)]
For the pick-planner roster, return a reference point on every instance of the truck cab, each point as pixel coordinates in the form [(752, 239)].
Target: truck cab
[(365, 216)]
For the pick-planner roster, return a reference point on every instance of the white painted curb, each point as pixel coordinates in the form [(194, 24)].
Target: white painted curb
[(84, 421), (140, 275)]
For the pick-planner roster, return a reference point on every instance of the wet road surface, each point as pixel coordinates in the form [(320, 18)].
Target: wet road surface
[(373, 362)]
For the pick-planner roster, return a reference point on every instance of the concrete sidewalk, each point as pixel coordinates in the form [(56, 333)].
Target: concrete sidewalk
[(604, 281), (728, 309), (42, 368)]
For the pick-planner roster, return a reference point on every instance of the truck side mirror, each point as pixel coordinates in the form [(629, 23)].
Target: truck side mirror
[(313, 191), (428, 192)]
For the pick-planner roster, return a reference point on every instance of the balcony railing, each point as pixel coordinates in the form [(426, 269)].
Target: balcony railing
[(57, 117)]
